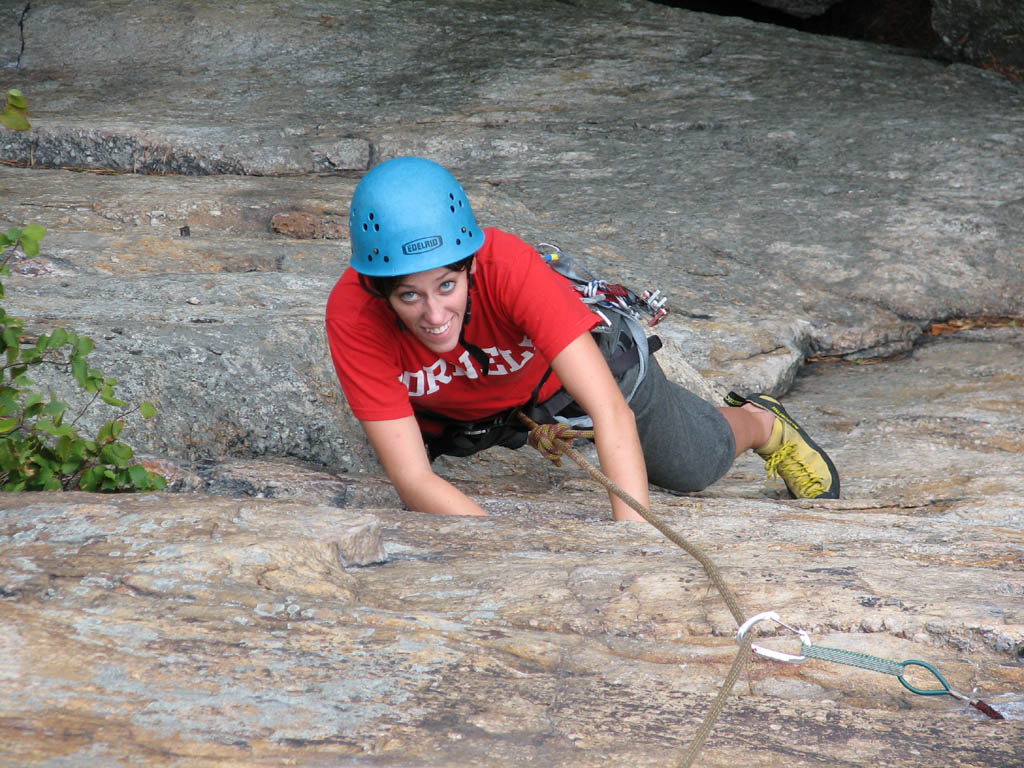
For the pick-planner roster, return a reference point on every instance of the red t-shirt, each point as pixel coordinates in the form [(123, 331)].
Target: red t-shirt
[(523, 314)]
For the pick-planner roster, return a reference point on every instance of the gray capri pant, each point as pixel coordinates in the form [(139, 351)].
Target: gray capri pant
[(687, 443)]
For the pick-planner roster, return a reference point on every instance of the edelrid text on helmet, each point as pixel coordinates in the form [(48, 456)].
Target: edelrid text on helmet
[(409, 215)]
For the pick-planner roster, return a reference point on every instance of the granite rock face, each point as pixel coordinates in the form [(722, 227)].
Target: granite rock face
[(797, 198), (831, 200)]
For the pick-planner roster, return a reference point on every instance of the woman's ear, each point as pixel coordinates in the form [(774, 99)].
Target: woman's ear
[(472, 265)]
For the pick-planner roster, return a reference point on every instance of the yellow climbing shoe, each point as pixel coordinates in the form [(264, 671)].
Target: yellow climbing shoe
[(790, 453)]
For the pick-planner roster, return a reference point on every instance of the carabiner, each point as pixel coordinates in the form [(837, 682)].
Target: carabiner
[(768, 652)]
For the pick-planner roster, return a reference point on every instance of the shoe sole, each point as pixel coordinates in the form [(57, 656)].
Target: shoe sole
[(772, 405)]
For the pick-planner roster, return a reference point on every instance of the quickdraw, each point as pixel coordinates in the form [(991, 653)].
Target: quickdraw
[(862, 660), (601, 293)]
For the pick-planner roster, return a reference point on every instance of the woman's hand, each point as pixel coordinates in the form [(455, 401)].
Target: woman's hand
[(586, 376), (399, 446)]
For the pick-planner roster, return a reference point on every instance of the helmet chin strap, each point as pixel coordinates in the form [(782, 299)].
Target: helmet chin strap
[(481, 357)]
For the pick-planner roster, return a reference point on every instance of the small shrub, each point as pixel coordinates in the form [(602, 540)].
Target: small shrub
[(40, 447)]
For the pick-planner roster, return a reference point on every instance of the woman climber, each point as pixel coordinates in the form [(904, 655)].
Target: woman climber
[(440, 331)]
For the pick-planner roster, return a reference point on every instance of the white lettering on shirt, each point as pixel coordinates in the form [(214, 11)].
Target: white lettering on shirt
[(429, 379), (467, 368), (408, 378), (437, 374)]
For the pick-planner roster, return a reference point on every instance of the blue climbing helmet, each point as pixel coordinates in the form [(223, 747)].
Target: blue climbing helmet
[(409, 215)]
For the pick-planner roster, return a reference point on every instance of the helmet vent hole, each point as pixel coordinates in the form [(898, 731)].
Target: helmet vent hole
[(452, 208), (458, 241), (376, 227), (387, 259), (371, 217), (366, 227)]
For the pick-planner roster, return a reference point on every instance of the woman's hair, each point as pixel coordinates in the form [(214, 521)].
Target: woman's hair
[(381, 287)]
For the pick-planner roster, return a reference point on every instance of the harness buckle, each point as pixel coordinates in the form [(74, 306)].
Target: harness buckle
[(805, 639)]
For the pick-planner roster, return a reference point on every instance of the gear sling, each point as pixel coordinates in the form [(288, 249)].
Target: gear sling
[(622, 340)]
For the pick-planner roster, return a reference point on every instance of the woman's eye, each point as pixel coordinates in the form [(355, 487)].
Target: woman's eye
[(407, 297), (447, 286)]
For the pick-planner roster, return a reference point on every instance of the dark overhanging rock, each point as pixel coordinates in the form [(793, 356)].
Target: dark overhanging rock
[(985, 33)]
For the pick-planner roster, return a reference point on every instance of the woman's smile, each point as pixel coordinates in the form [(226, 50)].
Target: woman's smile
[(432, 305)]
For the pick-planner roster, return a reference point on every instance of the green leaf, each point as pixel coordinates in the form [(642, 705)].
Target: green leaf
[(110, 431), (63, 449), (34, 231), (15, 110), (107, 395), (147, 410), (29, 246), (139, 476), (70, 466), (55, 408), (58, 338), (83, 345), (78, 370), (117, 454), (91, 478), (14, 119), (47, 426), (7, 425), (17, 99)]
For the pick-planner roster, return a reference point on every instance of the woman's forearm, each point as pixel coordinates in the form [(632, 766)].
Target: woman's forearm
[(433, 494), (399, 447), (622, 459)]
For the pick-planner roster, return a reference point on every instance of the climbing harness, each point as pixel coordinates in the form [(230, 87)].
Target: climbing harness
[(856, 659), (626, 317), (622, 339), (555, 439)]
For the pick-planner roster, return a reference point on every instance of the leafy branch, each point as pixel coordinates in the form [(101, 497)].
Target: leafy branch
[(40, 447)]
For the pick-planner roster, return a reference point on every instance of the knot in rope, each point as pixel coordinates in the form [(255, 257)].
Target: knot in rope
[(552, 440)]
